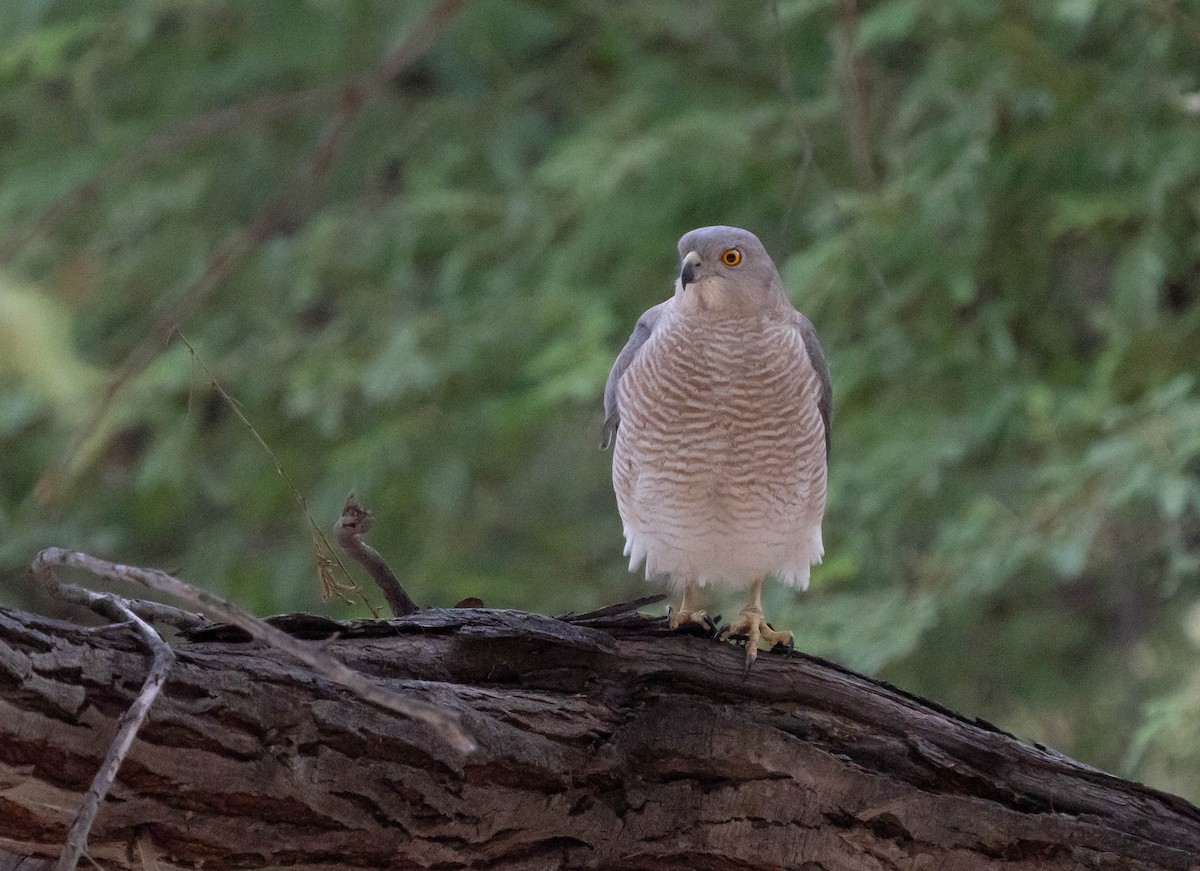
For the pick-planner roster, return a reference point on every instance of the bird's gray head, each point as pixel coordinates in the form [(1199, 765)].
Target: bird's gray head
[(727, 270)]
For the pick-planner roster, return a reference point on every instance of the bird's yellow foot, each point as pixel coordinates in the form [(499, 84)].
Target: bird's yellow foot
[(692, 622), (750, 629)]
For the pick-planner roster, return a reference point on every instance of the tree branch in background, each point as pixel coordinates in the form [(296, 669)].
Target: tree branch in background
[(857, 93), (787, 84), (293, 205), (268, 107), (354, 523)]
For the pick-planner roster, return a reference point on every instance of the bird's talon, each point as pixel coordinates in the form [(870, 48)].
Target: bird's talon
[(690, 622), (751, 654), (750, 629), (729, 633)]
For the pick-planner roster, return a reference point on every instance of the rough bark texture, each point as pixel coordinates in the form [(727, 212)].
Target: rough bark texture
[(603, 743)]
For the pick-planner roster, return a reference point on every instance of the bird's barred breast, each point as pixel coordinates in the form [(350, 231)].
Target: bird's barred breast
[(719, 464)]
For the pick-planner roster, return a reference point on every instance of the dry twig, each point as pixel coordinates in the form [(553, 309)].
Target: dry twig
[(115, 608), (618, 609), (354, 523), (323, 553)]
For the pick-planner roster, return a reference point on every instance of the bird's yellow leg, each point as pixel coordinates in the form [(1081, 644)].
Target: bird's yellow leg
[(751, 627), (691, 617)]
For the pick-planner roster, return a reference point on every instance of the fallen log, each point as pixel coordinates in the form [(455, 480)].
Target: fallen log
[(601, 741)]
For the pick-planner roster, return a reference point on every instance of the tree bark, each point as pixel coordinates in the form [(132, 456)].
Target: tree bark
[(603, 742)]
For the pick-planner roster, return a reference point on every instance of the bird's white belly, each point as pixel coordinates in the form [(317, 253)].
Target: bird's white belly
[(719, 462)]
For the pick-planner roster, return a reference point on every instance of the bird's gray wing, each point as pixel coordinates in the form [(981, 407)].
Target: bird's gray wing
[(645, 326), (816, 355)]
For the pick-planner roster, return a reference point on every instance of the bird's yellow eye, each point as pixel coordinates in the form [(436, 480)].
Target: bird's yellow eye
[(731, 257)]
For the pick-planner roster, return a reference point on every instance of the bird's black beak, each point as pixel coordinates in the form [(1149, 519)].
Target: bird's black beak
[(688, 273)]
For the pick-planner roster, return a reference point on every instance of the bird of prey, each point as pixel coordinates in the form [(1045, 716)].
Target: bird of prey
[(719, 408)]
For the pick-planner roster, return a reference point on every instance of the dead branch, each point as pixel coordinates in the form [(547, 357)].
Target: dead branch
[(604, 741), (354, 523), (445, 725)]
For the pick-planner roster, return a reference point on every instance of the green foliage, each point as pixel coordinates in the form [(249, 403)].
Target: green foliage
[(997, 236)]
